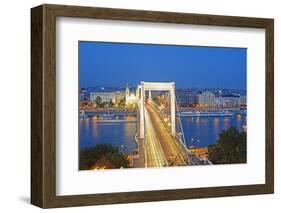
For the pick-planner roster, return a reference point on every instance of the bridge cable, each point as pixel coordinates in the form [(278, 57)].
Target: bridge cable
[(181, 129)]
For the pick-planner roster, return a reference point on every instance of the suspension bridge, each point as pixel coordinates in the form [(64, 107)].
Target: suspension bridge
[(160, 143)]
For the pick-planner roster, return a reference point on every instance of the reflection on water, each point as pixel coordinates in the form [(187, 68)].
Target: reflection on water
[(93, 132), (202, 131), (198, 131)]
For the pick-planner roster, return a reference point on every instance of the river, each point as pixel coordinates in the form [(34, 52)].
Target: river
[(120, 131)]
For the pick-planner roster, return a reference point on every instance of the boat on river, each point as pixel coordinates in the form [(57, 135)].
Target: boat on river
[(206, 114), (107, 115)]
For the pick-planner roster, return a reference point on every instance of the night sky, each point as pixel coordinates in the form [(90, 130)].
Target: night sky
[(115, 64)]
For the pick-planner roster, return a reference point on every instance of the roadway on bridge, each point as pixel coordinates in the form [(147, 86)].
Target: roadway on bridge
[(154, 153), (173, 152)]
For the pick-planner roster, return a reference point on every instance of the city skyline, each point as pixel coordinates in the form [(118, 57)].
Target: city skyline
[(123, 87), (117, 60)]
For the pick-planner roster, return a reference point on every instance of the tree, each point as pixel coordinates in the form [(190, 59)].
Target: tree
[(230, 148), (99, 101), (110, 104), (89, 156), (122, 102)]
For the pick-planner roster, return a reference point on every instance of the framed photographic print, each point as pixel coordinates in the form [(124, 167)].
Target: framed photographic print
[(136, 106)]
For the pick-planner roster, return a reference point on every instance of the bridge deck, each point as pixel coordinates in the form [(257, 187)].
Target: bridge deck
[(139, 162), (173, 151), (154, 152)]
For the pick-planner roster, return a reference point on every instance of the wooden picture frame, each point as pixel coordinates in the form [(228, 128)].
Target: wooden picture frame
[(43, 105)]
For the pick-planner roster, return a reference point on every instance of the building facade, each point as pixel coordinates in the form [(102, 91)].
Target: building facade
[(82, 94), (231, 101), (106, 97), (185, 98), (206, 99), (243, 100), (119, 96)]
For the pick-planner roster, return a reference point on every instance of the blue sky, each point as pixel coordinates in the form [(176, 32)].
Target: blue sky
[(115, 64)]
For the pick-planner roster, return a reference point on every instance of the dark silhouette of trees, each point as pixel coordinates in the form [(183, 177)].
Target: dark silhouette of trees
[(230, 148), (122, 102), (99, 102), (110, 104), (89, 156)]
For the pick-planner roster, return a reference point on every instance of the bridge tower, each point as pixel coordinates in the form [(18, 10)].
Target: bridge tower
[(149, 96)]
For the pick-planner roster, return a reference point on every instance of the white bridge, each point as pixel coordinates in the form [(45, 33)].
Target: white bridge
[(159, 141), (155, 86)]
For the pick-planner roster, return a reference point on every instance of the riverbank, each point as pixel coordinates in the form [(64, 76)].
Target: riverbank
[(113, 110), (184, 109)]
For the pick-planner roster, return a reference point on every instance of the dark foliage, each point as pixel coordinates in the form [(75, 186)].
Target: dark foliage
[(89, 156), (99, 102), (122, 102), (230, 148)]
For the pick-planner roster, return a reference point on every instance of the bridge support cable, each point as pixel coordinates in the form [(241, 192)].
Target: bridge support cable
[(177, 109), (165, 102), (181, 129), (188, 153)]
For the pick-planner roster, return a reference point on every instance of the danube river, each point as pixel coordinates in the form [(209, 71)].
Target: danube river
[(120, 131)]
